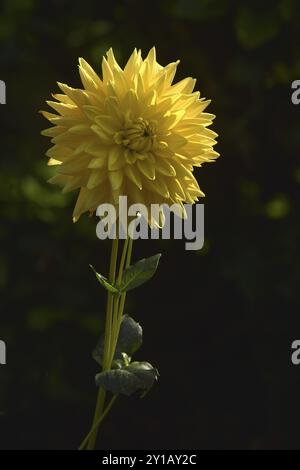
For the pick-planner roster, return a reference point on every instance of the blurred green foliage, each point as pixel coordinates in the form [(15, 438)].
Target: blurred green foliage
[(234, 308)]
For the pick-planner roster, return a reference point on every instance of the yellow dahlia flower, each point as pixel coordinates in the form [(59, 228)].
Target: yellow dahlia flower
[(131, 133)]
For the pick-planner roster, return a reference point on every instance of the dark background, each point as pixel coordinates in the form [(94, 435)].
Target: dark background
[(218, 323)]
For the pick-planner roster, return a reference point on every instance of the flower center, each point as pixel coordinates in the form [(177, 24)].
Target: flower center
[(138, 135)]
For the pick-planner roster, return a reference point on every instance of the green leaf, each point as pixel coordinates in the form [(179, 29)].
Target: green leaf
[(129, 341), (140, 272), (136, 376), (105, 283), (130, 337)]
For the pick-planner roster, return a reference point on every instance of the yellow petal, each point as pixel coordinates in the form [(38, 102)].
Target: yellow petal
[(89, 78), (165, 167), (106, 71), (80, 129), (96, 178), (106, 123), (77, 96), (147, 168), (105, 138), (111, 60), (84, 65), (116, 179), (116, 158), (53, 131), (53, 162), (134, 175), (97, 163)]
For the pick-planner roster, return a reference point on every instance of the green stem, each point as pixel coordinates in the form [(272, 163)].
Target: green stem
[(114, 334), (97, 423), (115, 308), (119, 306), (107, 341), (110, 302), (122, 263), (129, 253)]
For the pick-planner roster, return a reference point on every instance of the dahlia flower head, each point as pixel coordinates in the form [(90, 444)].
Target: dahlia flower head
[(132, 133)]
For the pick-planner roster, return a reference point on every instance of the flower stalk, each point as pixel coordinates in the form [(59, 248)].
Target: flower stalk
[(114, 313), (97, 423)]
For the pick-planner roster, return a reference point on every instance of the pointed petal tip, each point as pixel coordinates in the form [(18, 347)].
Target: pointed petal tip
[(46, 114), (110, 53)]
